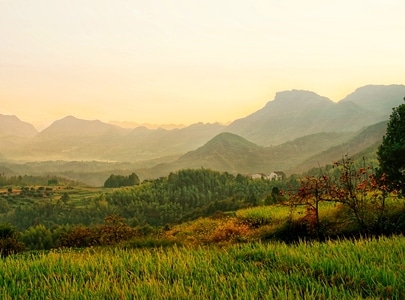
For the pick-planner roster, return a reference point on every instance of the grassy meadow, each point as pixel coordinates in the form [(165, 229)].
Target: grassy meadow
[(240, 241), (368, 268)]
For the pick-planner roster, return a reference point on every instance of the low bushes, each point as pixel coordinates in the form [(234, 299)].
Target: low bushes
[(112, 232), (9, 240)]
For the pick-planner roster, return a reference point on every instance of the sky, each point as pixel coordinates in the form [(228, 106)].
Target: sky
[(183, 62)]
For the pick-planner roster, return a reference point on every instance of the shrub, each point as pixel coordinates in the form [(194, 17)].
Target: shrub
[(229, 231), (9, 240), (38, 238), (114, 231), (292, 231), (79, 237)]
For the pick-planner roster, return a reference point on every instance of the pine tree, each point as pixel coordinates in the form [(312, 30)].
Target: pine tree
[(391, 153)]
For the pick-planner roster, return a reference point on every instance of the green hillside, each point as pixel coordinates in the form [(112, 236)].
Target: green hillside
[(363, 144)]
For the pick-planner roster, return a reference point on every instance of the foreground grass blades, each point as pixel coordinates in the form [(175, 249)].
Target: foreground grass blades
[(332, 270)]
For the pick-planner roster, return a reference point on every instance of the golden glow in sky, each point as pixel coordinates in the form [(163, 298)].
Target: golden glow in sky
[(189, 61)]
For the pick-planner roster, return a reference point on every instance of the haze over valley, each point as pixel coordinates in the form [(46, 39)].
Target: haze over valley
[(294, 132)]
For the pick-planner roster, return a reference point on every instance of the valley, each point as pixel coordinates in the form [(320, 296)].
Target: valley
[(296, 131)]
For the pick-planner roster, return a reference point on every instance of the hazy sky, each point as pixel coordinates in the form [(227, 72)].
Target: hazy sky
[(189, 61)]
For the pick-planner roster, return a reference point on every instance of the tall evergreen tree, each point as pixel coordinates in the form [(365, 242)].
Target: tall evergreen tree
[(391, 153)]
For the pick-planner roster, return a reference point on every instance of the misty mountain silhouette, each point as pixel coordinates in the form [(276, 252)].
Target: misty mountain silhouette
[(285, 133), (11, 126)]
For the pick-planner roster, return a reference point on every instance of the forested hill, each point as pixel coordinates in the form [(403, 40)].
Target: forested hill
[(180, 196)]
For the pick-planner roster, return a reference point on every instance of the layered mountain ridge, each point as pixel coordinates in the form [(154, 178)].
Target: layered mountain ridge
[(295, 126)]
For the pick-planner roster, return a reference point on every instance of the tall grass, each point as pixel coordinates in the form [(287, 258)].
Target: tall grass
[(277, 214), (274, 214), (332, 270)]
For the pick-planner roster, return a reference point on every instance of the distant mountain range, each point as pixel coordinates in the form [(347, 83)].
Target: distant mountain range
[(293, 114), (295, 131), (232, 153)]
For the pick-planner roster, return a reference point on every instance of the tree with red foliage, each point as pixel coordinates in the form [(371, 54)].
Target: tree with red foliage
[(355, 188), (313, 190)]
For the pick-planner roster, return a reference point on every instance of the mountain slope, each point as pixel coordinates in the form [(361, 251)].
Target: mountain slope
[(365, 143), (226, 151), (77, 128), (143, 143), (378, 98), (11, 126), (75, 139), (232, 153), (285, 118), (14, 135), (293, 114)]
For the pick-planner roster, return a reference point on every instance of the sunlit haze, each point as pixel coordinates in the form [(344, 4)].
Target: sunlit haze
[(182, 62)]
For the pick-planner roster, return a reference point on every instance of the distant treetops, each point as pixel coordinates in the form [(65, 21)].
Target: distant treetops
[(115, 181)]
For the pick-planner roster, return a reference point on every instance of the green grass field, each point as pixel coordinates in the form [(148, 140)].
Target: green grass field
[(372, 269)]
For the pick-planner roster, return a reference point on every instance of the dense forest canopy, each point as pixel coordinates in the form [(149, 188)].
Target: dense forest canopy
[(182, 195)]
